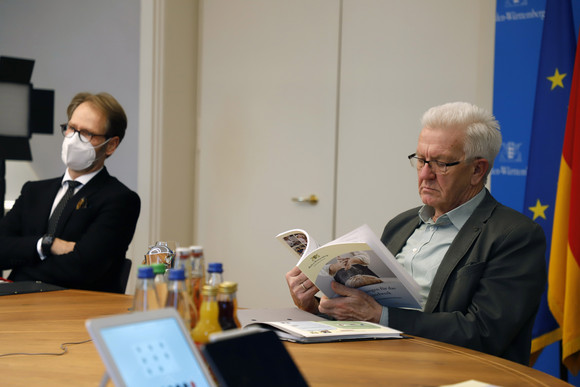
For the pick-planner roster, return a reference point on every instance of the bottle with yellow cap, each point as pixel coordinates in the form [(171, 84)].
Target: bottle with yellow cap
[(208, 322), (227, 305)]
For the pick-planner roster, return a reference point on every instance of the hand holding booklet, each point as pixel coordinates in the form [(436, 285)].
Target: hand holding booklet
[(358, 260)]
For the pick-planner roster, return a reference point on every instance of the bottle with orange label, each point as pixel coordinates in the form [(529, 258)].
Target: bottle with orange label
[(197, 274)]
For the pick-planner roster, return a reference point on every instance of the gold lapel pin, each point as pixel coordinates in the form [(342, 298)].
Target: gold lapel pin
[(82, 203)]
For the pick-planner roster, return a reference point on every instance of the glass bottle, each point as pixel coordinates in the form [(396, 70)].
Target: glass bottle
[(183, 261), (145, 297), (215, 274), (226, 304), (208, 318), (178, 298), (160, 281), (237, 321), (197, 256), (197, 274)]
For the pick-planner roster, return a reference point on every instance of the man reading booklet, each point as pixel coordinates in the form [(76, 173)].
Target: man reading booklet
[(479, 265)]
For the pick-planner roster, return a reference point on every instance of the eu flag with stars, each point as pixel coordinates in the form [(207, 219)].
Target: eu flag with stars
[(548, 127)]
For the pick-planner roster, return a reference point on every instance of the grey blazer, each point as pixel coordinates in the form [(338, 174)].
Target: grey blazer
[(487, 290)]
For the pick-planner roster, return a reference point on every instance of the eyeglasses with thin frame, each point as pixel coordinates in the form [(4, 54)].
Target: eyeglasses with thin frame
[(437, 167), (85, 136)]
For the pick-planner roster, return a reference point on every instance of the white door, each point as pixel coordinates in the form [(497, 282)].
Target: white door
[(399, 58), (267, 127), (272, 76)]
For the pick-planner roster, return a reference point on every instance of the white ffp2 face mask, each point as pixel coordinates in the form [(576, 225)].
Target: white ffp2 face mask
[(78, 155)]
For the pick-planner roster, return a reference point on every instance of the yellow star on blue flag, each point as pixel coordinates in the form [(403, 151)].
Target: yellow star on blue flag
[(556, 79), (539, 210)]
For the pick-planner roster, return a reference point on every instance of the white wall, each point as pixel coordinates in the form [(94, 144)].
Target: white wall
[(78, 45)]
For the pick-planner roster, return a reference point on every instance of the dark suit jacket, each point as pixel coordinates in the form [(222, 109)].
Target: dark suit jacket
[(487, 290), (101, 219)]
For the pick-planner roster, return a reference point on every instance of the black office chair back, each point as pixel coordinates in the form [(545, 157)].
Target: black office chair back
[(124, 276)]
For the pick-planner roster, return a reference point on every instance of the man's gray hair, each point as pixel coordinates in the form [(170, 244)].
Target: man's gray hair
[(483, 136)]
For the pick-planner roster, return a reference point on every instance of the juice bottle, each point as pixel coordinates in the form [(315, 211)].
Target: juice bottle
[(183, 261), (197, 274), (178, 298), (198, 260), (145, 297), (208, 316), (160, 281), (215, 274)]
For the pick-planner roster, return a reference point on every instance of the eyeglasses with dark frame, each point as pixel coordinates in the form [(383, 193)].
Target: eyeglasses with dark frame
[(84, 134), (437, 167)]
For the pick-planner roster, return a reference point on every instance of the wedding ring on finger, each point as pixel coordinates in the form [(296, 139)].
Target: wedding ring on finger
[(303, 287)]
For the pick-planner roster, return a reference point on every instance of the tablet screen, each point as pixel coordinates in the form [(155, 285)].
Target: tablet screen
[(154, 353)]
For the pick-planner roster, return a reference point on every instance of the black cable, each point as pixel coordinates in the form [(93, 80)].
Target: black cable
[(63, 346)]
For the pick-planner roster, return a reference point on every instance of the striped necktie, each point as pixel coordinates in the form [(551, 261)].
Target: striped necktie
[(53, 221)]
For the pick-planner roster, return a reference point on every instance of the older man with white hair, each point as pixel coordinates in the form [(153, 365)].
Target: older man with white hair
[(480, 265)]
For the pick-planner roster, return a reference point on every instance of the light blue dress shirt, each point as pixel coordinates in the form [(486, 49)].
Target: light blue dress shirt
[(426, 247)]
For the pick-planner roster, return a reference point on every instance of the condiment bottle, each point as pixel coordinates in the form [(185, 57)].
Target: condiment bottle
[(145, 297), (160, 281), (227, 306), (197, 256), (238, 324), (197, 274), (178, 298), (208, 318), (215, 274)]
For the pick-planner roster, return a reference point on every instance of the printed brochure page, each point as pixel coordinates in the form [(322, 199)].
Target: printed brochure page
[(358, 260)]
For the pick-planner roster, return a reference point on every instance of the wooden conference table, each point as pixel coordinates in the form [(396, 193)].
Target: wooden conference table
[(41, 322)]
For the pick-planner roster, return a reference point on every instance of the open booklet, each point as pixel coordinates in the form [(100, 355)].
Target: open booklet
[(357, 259), (329, 331), (292, 324)]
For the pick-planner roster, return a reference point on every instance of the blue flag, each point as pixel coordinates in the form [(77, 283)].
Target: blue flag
[(548, 126), (518, 35)]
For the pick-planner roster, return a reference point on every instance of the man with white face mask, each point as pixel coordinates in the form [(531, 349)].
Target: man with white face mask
[(74, 231)]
